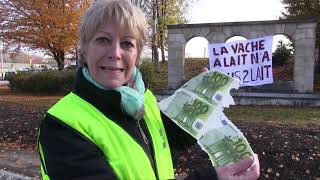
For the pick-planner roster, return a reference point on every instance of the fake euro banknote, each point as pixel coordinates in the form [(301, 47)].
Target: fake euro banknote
[(225, 144), (197, 107), (213, 86), (190, 112), (192, 106)]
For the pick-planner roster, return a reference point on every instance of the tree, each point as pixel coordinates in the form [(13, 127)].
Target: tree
[(301, 8), (169, 12), (50, 25), (161, 13), (281, 55), (145, 5), (297, 9)]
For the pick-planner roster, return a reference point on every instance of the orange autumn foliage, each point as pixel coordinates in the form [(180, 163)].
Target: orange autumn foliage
[(51, 25)]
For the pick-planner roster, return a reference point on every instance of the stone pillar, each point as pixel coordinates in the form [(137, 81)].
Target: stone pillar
[(176, 46), (304, 45), (304, 66)]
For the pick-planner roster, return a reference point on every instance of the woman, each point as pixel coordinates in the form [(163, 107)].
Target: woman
[(109, 126)]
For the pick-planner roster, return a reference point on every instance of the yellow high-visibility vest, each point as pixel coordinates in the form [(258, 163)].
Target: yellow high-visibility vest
[(125, 156)]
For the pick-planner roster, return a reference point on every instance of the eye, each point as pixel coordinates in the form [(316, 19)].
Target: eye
[(127, 44), (103, 40)]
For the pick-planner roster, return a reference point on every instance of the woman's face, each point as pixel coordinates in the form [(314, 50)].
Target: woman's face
[(111, 56)]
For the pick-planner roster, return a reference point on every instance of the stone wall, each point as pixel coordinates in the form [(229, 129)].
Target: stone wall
[(301, 32)]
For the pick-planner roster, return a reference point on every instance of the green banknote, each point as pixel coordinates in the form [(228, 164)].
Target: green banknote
[(197, 107), (188, 111), (225, 145), (213, 86)]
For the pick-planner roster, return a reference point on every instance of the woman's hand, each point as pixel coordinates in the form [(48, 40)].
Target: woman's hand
[(246, 169)]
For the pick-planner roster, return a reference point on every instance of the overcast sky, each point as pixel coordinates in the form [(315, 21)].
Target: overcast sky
[(209, 11), (212, 11)]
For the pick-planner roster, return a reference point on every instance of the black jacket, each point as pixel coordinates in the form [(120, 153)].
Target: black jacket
[(80, 159)]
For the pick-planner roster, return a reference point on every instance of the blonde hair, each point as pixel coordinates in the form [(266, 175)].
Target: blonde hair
[(127, 16)]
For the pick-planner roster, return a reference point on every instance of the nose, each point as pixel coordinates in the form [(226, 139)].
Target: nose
[(115, 51)]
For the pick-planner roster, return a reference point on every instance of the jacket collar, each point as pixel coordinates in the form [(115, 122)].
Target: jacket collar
[(106, 101)]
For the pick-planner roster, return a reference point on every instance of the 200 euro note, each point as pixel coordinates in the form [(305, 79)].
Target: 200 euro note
[(197, 107)]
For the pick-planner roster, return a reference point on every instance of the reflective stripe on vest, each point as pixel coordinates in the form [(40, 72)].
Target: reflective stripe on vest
[(126, 157)]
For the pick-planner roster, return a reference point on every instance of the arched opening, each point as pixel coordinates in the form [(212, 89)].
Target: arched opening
[(197, 47), (235, 38), (282, 65), (196, 56), (282, 58)]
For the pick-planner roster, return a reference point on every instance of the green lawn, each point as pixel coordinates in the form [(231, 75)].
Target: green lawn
[(36, 101), (279, 114)]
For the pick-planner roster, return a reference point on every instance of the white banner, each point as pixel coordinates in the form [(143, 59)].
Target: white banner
[(250, 61)]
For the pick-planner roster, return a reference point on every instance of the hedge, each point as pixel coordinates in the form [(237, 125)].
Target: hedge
[(57, 82), (46, 82)]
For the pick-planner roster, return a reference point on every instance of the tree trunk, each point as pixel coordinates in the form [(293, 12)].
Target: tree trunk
[(163, 58), (77, 57), (155, 55), (318, 63), (58, 55)]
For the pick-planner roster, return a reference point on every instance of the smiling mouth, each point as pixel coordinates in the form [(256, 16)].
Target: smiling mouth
[(112, 68)]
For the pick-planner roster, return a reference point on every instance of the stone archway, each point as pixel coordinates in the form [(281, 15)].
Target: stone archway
[(302, 32)]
